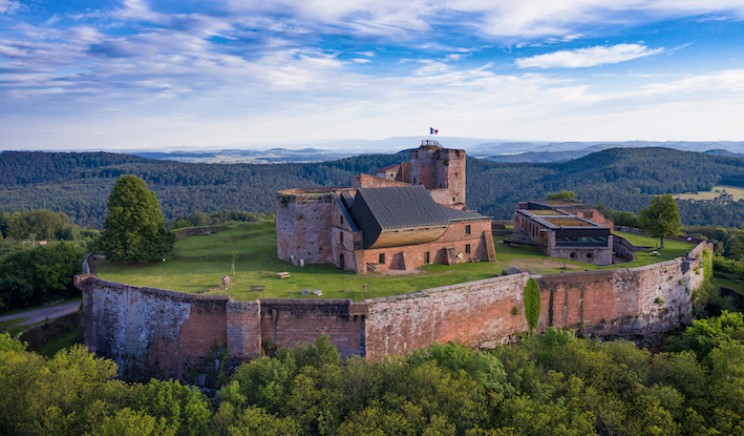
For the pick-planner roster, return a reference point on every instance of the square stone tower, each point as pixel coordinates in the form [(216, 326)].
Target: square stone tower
[(441, 171)]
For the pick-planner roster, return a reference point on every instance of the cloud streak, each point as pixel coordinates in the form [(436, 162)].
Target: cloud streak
[(589, 57)]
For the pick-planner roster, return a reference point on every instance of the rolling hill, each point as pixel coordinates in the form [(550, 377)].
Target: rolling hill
[(621, 178)]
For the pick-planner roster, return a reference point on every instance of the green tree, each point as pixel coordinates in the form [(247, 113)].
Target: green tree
[(561, 195), (134, 229), (532, 304), (661, 218)]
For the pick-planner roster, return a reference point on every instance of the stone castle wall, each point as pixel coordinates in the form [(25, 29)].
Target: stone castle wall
[(303, 226), (171, 334)]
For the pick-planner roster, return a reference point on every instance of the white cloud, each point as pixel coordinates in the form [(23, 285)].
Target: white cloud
[(9, 6), (589, 57)]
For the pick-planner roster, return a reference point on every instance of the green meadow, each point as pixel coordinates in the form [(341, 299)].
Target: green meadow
[(199, 263), (736, 193)]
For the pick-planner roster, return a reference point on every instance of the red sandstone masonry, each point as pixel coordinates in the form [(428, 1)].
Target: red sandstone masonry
[(145, 328), (244, 329), (169, 334), (476, 313), (289, 322)]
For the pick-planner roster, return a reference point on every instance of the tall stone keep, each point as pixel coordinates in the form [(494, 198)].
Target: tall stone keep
[(441, 171)]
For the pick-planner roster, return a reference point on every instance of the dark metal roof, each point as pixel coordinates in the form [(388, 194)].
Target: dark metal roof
[(455, 215), (397, 207)]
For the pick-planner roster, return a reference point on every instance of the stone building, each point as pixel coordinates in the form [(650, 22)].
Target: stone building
[(568, 230), (404, 217)]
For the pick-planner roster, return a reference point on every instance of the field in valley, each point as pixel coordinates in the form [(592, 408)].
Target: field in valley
[(736, 193)]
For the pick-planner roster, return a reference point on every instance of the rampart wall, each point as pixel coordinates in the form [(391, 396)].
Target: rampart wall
[(152, 332)]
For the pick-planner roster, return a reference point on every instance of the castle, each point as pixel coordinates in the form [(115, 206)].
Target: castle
[(404, 217)]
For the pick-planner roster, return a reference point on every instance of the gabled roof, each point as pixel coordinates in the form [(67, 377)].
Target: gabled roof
[(397, 207), (389, 167)]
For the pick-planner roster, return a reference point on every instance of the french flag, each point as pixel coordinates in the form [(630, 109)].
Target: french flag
[(433, 131)]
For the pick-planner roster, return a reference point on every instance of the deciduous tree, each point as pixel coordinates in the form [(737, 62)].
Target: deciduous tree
[(134, 230), (661, 219)]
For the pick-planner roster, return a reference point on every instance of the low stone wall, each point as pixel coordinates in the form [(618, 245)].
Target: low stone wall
[(153, 332)]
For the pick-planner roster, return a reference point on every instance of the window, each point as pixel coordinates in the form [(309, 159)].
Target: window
[(381, 260), (341, 220), (341, 236), (427, 258), (467, 229), (467, 248)]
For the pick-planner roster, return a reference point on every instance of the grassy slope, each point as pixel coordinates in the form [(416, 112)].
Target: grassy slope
[(737, 193), (200, 262)]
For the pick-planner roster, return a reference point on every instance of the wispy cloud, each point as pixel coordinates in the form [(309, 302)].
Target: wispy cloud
[(589, 57), (9, 6), (335, 67)]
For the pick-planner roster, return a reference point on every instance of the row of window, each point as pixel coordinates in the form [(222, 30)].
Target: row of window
[(427, 256), (467, 247)]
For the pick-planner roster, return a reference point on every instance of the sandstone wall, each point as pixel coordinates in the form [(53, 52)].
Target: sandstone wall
[(152, 332), (303, 225), (625, 302), (410, 257), (480, 314), (289, 322)]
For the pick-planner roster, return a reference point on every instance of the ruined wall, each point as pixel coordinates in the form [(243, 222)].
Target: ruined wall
[(621, 303), (625, 302), (288, 322), (303, 225), (152, 332), (442, 171), (368, 181), (166, 334), (479, 314)]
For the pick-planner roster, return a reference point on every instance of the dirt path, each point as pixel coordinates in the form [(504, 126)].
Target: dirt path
[(41, 314)]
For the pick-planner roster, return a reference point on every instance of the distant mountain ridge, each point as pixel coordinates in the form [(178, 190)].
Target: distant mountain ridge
[(620, 178), (535, 152)]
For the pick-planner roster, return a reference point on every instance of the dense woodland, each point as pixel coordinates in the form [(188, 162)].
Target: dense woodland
[(620, 179), (550, 383)]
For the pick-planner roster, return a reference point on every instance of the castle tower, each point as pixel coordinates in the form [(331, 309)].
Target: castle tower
[(441, 171)]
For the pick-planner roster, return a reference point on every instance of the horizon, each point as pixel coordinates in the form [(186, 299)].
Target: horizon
[(139, 75)]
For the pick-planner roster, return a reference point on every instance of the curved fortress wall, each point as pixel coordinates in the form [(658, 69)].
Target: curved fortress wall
[(170, 334)]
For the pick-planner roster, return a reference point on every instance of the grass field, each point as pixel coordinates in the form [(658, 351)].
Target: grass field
[(200, 262), (737, 193)]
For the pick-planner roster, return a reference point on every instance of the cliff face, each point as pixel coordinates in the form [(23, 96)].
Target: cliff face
[(153, 332)]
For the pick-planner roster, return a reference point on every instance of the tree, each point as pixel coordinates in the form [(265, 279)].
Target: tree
[(134, 229), (561, 195), (661, 218), (532, 304)]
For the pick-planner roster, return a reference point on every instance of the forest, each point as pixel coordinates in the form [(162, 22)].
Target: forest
[(619, 179), (552, 382)]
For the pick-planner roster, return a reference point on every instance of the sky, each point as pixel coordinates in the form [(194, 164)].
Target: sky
[(179, 73)]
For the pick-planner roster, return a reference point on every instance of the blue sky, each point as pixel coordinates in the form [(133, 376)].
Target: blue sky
[(136, 73)]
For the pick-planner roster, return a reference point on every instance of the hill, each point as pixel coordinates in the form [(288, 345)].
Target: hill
[(625, 179)]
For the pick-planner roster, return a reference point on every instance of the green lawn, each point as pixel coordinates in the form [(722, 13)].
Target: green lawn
[(200, 262), (672, 249)]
